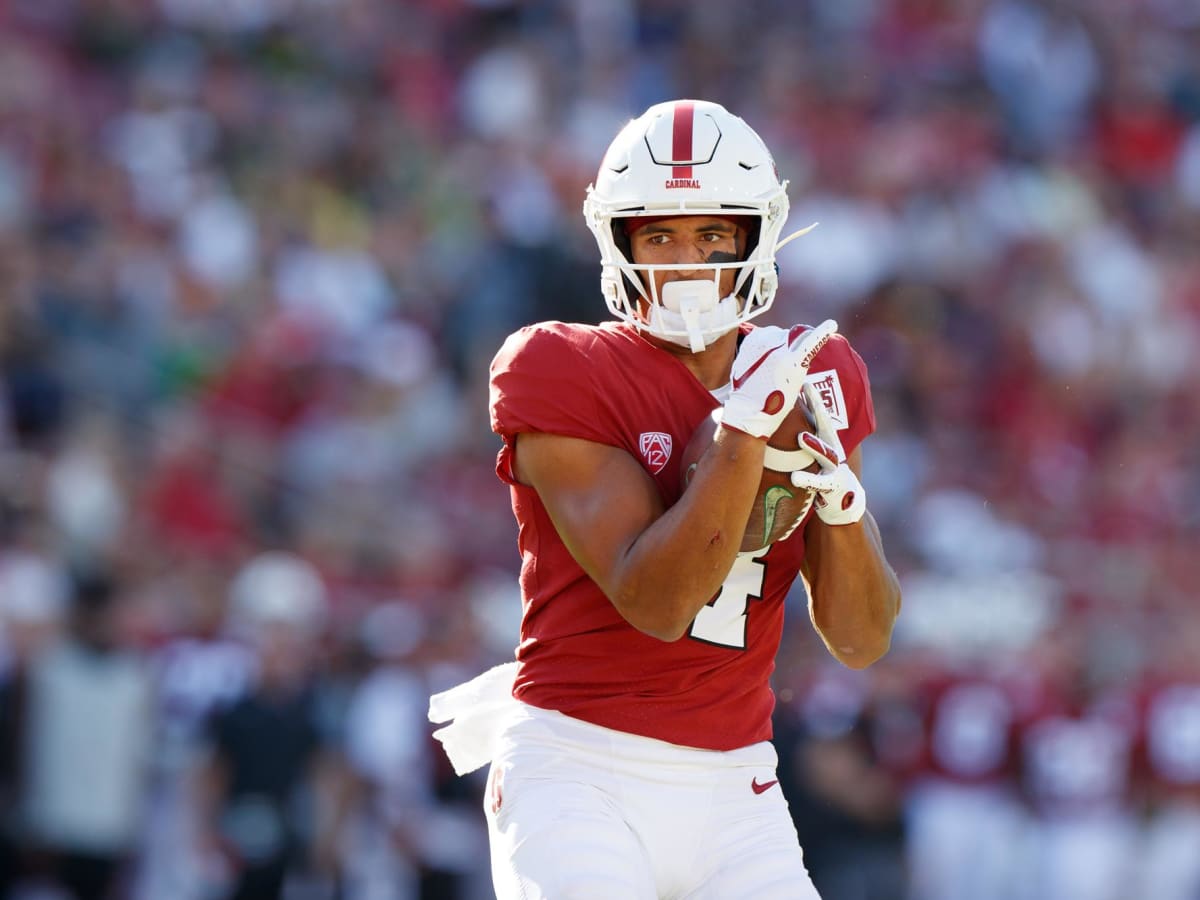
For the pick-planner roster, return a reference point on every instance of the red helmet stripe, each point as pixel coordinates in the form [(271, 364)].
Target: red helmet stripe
[(681, 137)]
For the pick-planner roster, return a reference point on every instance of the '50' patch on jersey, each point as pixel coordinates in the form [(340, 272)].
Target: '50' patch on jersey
[(830, 389)]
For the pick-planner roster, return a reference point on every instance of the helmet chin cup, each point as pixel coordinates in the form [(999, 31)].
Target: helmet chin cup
[(691, 315), (690, 297), (692, 300)]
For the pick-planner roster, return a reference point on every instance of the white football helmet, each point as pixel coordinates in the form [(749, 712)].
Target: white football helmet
[(277, 587), (687, 157)]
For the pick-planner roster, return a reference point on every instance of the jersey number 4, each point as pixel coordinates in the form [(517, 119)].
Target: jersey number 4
[(723, 621)]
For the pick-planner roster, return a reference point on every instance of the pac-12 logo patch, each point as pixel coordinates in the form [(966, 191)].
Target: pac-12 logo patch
[(655, 447), (830, 389)]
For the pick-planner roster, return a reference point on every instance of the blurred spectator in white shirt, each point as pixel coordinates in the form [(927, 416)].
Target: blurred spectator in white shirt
[(88, 741)]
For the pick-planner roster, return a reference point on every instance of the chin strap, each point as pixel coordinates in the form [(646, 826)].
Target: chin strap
[(690, 310)]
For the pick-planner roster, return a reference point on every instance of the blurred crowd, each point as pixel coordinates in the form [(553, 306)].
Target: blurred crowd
[(256, 257)]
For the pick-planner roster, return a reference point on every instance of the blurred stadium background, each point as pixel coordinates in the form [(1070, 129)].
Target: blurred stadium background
[(256, 256)]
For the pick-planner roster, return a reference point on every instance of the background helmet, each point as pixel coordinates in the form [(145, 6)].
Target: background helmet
[(687, 157), (277, 588)]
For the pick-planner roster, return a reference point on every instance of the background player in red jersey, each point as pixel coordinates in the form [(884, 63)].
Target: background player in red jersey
[(1167, 758), (637, 761), (964, 811)]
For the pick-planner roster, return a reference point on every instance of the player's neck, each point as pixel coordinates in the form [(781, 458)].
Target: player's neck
[(712, 365)]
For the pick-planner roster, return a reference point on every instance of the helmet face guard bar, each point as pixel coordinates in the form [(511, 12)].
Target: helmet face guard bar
[(703, 314)]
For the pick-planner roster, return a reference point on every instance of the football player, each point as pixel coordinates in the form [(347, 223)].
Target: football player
[(630, 742), (1168, 766)]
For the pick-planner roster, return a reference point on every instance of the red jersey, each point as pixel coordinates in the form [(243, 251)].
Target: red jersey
[(971, 724), (577, 654), (1078, 756)]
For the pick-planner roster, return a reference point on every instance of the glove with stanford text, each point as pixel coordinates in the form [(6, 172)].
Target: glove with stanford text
[(768, 372), (839, 495)]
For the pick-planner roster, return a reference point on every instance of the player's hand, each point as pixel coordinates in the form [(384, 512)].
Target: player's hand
[(768, 371), (840, 498)]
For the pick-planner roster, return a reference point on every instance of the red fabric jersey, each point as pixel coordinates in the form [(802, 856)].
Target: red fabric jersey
[(971, 722), (577, 654), (1077, 755)]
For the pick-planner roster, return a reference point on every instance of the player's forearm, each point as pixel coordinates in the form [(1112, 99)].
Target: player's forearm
[(854, 593), (677, 564)]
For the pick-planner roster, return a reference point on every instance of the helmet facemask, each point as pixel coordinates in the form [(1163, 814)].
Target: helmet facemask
[(691, 313)]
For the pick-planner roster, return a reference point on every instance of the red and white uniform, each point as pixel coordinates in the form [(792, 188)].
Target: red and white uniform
[(1169, 762), (633, 767), (1169, 745), (577, 655), (1077, 755), (964, 817)]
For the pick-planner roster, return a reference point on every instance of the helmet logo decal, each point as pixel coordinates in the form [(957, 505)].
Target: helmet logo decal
[(655, 447), (682, 133)]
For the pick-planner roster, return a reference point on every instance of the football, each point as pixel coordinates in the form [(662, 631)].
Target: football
[(779, 505)]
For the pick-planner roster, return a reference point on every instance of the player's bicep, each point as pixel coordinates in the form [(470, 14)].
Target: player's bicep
[(599, 498)]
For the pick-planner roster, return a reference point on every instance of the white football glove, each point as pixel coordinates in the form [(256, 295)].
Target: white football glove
[(768, 371), (839, 496)]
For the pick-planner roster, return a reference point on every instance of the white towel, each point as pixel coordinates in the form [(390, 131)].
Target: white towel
[(477, 711)]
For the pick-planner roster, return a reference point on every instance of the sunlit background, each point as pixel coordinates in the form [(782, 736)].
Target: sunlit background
[(255, 258)]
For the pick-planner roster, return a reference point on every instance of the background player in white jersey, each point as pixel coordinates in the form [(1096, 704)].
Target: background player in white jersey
[(637, 762)]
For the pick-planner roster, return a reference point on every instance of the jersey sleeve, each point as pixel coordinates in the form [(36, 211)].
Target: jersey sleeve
[(539, 384), (860, 406)]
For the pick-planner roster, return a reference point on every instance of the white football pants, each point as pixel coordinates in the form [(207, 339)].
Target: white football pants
[(580, 812)]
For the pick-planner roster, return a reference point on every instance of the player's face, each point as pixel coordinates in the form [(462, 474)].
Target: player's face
[(689, 239)]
